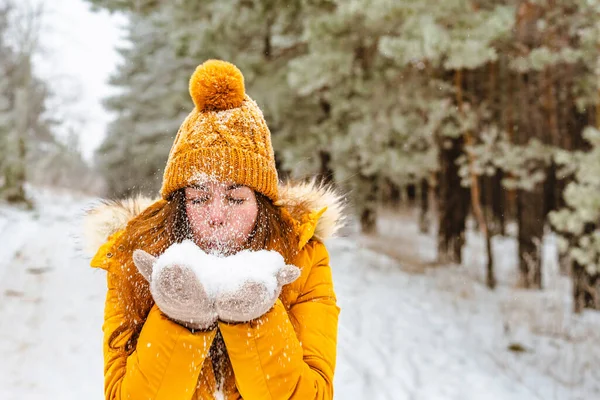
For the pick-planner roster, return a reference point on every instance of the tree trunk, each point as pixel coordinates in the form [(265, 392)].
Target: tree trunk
[(550, 190), (411, 194), (392, 193), (14, 167), (325, 170), (498, 203), (531, 208), (586, 289), (475, 189), (490, 275), (530, 217), (369, 199), (424, 206), (453, 203)]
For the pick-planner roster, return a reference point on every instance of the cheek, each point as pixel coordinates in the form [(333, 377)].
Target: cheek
[(239, 223), (245, 217), (197, 219)]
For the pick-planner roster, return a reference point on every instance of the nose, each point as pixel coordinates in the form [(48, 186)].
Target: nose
[(216, 212)]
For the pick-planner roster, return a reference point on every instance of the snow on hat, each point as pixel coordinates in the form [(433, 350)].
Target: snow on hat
[(225, 137)]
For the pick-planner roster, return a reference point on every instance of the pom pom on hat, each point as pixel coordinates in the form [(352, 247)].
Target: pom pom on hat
[(217, 85), (235, 147)]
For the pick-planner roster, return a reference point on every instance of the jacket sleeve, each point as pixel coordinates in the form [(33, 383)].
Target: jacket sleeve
[(281, 356), (166, 362)]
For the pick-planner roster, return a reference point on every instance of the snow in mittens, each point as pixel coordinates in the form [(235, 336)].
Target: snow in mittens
[(223, 274)]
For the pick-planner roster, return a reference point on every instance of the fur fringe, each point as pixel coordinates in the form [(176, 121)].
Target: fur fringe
[(302, 198), (109, 217), (298, 198)]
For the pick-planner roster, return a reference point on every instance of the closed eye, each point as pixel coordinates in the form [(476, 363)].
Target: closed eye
[(236, 201), (198, 200)]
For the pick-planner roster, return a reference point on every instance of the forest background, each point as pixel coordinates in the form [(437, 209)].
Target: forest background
[(463, 111)]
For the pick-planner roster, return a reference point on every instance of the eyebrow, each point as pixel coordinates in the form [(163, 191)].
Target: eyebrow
[(199, 187), (230, 187)]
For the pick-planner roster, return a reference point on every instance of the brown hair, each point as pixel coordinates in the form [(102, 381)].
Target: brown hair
[(165, 223)]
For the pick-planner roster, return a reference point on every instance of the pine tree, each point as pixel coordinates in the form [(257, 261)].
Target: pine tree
[(23, 99), (170, 41), (477, 97), (579, 221)]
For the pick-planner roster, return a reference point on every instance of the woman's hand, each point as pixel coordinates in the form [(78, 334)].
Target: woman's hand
[(177, 292), (254, 297), (238, 288)]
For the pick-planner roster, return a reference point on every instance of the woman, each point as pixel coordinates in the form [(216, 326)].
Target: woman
[(220, 189)]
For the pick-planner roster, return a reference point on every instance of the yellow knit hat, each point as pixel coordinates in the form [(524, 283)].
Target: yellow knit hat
[(225, 137)]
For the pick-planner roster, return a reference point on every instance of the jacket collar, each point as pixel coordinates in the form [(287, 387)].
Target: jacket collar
[(316, 209)]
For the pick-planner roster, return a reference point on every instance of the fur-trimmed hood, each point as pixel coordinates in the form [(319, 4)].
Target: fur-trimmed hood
[(317, 208)]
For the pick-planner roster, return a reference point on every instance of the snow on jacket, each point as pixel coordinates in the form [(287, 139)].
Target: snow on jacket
[(288, 353)]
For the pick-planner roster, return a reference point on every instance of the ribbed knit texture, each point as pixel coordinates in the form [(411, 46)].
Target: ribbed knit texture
[(228, 145)]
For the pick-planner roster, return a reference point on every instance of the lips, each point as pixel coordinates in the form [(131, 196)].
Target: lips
[(216, 247), (212, 246)]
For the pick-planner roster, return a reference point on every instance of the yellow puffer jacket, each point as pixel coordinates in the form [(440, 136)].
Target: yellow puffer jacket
[(288, 353)]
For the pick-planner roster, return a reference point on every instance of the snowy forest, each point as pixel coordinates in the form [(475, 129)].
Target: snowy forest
[(30, 150), (465, 135)]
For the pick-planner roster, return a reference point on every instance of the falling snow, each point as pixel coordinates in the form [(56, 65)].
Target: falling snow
[(433, 335)]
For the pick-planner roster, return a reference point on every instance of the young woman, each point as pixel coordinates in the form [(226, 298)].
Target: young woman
[(220, 190)]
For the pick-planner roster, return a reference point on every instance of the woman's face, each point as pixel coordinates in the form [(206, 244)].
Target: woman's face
[(221, 215)]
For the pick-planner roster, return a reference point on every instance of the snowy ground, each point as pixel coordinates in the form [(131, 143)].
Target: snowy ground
[(409, 329)]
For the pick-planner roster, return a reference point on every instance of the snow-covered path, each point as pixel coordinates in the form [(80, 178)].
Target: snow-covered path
[(402, 336), (395, 343), (50, 308)]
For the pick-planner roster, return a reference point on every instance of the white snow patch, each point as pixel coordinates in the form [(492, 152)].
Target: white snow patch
[(219, 395), (224, 274)]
